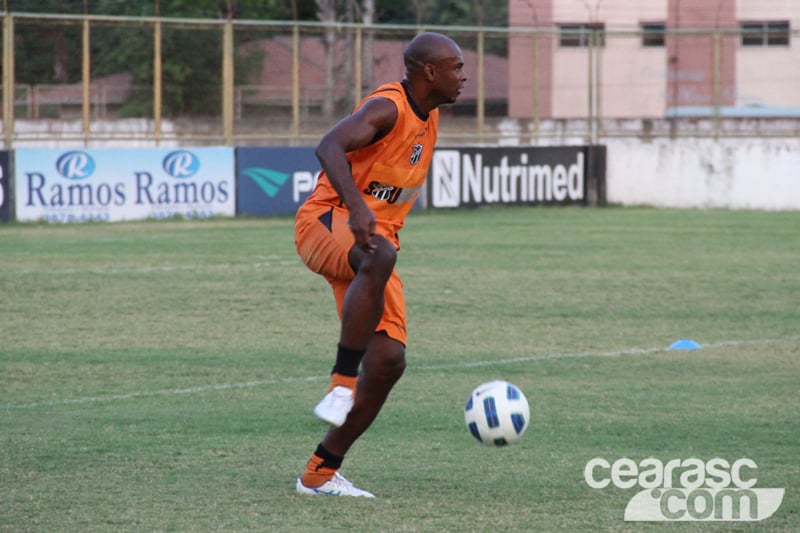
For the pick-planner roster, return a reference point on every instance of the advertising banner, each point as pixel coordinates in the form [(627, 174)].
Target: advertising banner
[(123, 184), (274, 181), (471, 176), (5, 186)]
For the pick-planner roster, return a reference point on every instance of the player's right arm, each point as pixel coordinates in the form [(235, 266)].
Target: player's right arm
[(371, 122)]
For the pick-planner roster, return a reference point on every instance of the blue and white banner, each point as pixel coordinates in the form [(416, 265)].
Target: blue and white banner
[(113, 185), (531, 175), (274, 181)]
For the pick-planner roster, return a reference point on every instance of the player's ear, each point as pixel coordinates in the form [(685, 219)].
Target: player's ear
[(430, 71)]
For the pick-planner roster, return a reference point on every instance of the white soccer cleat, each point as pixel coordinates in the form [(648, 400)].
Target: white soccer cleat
[(335, 406), (337, 486)]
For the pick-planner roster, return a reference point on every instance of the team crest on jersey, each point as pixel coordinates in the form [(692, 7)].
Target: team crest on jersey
[(391, 194), (416, 154)]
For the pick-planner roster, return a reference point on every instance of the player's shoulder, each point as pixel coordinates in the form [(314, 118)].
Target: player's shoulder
[(380, 103), (389, 90)]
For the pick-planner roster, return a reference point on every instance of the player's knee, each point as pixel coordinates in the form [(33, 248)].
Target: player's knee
[(394, 364), (389, 364), (381, 261), (385, 253)]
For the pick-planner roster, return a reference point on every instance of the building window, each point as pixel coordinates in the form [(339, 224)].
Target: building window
[(653, 34), (581, 35), (770, 33)]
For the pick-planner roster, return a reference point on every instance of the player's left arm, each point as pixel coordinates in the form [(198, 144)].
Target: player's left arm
[(372, 121)]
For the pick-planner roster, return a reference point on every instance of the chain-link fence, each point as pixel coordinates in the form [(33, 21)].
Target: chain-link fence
[(103, 79)]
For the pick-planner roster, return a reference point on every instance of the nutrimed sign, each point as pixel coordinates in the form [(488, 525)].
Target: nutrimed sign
[(515, 175), (113, 185)]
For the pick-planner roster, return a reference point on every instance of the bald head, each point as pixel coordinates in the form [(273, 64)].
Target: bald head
[(434, 70), (428, 48)]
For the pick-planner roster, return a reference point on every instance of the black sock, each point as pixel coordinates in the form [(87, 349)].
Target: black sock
[(347, 361), (329, 460)]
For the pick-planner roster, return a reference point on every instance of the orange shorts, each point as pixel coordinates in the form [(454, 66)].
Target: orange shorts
[(323, 241)]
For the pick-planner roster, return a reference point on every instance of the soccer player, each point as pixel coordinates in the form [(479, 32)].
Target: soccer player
[(374, 163)]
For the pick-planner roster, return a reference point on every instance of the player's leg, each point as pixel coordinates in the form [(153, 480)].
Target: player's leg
[(360, 303), (382, 367), (362, 307), (323, 242)]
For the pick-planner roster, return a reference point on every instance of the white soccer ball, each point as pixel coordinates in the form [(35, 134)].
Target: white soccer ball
[(497, 413)]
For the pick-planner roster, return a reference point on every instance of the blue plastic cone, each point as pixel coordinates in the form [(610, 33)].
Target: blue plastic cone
[(684, 344)]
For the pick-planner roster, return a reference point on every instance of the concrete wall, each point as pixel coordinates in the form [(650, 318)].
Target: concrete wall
[(644, 166), (749, 173)]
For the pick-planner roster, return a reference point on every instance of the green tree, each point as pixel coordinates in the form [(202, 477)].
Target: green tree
[(191, 58), (443, 12), (49, 53)]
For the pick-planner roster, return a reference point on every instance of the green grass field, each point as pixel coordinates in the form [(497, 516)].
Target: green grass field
[(160, 376)]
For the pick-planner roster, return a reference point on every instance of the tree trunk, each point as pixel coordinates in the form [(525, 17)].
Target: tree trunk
[(326, 12), (368, 18), (348, 69), (60, 57)]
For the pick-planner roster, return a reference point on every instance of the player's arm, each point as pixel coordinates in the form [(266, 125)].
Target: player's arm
[(371, 122)]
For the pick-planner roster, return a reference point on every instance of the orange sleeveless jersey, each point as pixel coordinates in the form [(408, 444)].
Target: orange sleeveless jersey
[(391, 171)]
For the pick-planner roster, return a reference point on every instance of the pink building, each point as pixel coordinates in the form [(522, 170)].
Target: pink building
[(631, 58)]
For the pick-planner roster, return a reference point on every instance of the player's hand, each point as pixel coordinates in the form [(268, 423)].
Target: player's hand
[(362, 223)]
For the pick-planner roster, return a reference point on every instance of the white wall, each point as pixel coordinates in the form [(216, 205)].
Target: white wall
[(748, 173)]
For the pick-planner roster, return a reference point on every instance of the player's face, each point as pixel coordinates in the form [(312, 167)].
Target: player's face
[(451, 77)]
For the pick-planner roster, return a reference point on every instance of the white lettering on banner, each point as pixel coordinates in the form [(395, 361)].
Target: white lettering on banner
[(446, 178), (458, 179), (472, 179), (303, 182)]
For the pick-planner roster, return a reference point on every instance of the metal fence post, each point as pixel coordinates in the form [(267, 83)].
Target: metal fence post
[(8, 79), (535, 91), (481, 105), (86, 80), (295, 82), (599, 40), (717, 77), (227, 83), (157, 81), (590, 86), (357, 71)]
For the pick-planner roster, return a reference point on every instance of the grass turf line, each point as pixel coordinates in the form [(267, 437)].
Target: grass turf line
[(97, 310)]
